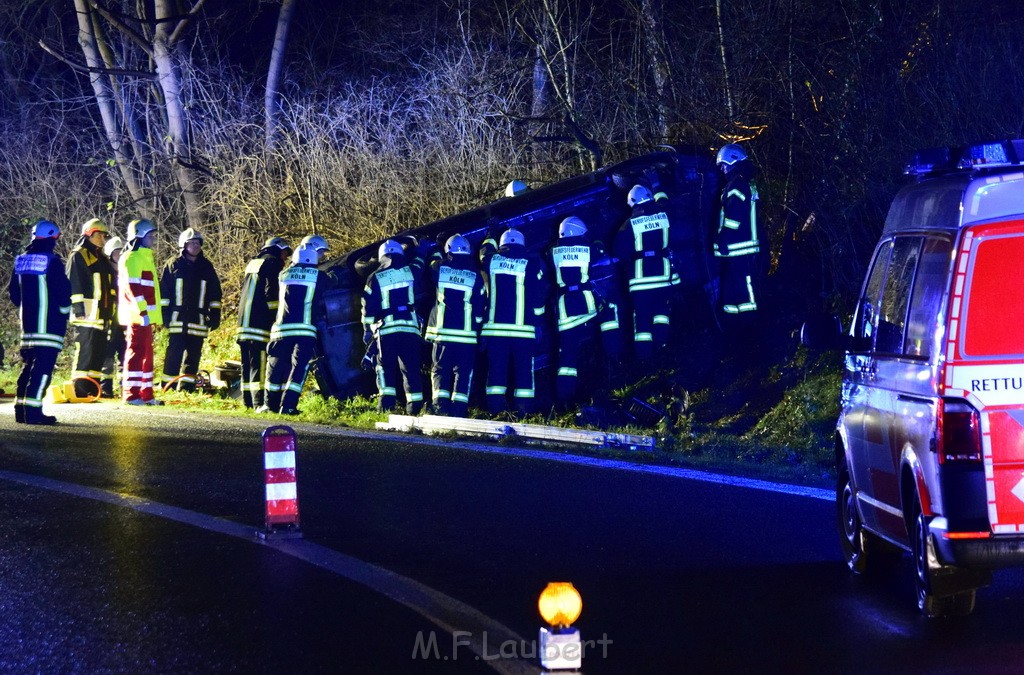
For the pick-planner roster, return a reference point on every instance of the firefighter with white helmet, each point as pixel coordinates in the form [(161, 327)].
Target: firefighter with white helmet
[(93, 307), (294, 332), (257, 308), (737, 244), (190, 295), (642, 247), (389, 316), (516, 295), (40, 290), (138, 309), (115, 332), (317, 243), (453, 327)]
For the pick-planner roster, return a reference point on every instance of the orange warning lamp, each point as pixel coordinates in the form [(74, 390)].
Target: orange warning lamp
[(560, 604)]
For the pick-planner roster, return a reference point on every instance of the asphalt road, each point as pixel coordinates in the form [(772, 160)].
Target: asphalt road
[(126, 545)]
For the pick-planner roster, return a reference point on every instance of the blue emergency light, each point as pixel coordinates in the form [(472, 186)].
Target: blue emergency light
[(979, 156)]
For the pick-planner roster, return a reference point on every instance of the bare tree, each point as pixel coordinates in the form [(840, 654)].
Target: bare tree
[(284, 20)]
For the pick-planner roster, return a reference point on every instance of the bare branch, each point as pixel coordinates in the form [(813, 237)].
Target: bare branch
[(120, 25), (86, 70), (184, 22)]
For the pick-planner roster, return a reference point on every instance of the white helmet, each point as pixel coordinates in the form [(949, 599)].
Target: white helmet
[(389, 247), (638, 195), (188, 235), (44, 229), (457, 244), (572, 227), (512, 236), (516, 187), (113, 244), (305, 255), (139, 228), (314, 240), (93, 225), (276, 242), (729, 155)]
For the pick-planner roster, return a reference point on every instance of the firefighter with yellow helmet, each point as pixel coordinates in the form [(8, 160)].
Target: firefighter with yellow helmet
[(93, 306)]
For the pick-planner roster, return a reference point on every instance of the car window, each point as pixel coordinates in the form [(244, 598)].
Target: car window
[(892, 316), (867, 309), (930, 284), (995, 298)]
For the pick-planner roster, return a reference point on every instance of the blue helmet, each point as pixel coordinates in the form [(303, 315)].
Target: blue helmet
[(44, 229)]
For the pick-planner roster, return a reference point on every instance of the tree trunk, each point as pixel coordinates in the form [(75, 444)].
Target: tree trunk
[(651, 22), (725, 62), (284, 19)]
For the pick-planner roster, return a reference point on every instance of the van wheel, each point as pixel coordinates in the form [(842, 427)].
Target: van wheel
[(932, 606), (862, 551)]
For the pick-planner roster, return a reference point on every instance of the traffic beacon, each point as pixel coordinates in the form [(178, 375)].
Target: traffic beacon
[(282, 498), (560, 605)]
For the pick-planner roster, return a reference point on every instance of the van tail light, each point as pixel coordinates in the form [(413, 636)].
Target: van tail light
[(959, 433)]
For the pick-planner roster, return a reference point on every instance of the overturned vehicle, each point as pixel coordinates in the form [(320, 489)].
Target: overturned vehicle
[(686, 175)]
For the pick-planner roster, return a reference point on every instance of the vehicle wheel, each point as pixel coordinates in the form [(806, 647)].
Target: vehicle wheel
[(932, 606), (862, 551)]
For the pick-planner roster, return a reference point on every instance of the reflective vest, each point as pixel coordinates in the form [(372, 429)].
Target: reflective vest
[(575, 301), (389, 298), (737, 225), (642, 245), (93, 286), (460, 301), (190, 295), (138, 294), (41, 292), (258, 300), (298, 306), (515, 293)]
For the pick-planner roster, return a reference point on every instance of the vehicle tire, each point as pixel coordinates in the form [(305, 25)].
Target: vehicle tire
[(932, 606), (863, 552)]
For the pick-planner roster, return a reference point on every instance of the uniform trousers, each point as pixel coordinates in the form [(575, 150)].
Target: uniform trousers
[(115, 349), (287, 365), (90, 351), (572, 342), (33, 380), (452, 377), (650, 320), (183, 353), (254, 370), (510, 366), (137, 383), (400, 356)]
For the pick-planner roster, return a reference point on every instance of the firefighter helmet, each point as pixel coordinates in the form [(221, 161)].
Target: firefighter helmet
[(190, 234), (276, 242), (512, 236), (113, 244), (572, 227), (516, 187), (730, 154), (638, 195), (44, 229), (315, 241), (93, 225), (389, 247), (305, 255), (457, 244), (139, 228)]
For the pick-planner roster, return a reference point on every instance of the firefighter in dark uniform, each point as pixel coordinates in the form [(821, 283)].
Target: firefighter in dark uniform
[(577, 304), (642, 247), (454, 325), (390, 318), (116, 342), (190, 295), (93, 306), (293, 335), (257, 308), (41, 291), (737, 245), (516, 296)]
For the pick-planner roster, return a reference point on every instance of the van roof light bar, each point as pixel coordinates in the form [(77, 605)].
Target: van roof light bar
[(978, 156)]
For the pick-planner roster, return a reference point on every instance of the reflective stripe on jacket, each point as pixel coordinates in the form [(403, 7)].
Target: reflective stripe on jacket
[(93, 286), (40, 290), (138, 294), (299, 306)]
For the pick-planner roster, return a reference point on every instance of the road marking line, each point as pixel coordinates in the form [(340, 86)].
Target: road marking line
[(480, 632)]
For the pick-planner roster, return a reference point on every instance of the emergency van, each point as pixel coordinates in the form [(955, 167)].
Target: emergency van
[(929, 445)]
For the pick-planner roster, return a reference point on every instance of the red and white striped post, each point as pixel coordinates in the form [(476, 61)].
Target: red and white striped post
[(282, 495)]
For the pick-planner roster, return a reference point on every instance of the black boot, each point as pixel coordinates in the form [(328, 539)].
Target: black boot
[(107, 389), (19, 413), (36, 416)]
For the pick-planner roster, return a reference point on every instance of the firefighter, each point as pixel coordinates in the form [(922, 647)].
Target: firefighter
[(257, 307), (737, 245), (317, 243), (642, 246), (41, 291), (516, 297), (190, 295), (293, 334), (93, 305), (516, 188), (389, 317), (454, 326), (115, 333), (577, 304), (138, 309)]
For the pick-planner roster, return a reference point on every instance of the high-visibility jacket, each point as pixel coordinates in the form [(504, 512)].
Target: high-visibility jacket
[(138, 294), (93, 286), (257, 303), (300, 304), (40, 290), (642, 246), (737, 226), (389, 297), (459, 309), (516, 293), (190, 295), (575, 301)]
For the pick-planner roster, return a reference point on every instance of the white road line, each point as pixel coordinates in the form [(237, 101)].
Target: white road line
[(480, 633)]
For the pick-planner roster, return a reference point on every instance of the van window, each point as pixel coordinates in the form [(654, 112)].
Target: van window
[(867, 309), (892, 319), (930, 285), (991, 324)]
